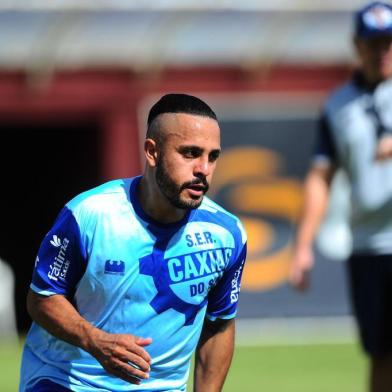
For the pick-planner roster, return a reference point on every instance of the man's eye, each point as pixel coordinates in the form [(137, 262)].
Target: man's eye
[(191, 153), (214, 156)]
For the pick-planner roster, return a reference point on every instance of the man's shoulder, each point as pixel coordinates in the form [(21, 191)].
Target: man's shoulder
[(211, 207), (104, 195), (341, 96), (215, 213)]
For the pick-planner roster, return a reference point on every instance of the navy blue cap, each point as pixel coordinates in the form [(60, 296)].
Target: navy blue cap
[(373, 20)]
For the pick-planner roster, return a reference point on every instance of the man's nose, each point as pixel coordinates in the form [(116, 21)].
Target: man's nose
[(202, 167)]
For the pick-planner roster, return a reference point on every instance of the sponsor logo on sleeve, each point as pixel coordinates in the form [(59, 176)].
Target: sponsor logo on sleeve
[(236, 285), (55, 241), (59, 268)]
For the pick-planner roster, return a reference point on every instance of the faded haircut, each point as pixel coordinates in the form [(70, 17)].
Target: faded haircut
[(176, 103)]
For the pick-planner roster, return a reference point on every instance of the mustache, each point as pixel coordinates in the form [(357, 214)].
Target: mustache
[(197, 181)]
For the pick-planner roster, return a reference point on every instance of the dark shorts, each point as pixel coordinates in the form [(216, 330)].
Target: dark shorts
[(47, 386), (371, 294)]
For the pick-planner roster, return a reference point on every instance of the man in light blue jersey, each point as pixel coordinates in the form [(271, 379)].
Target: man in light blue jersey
[(138, 273), (355, 135)]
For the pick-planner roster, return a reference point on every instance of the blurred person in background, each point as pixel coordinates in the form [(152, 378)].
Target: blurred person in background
[(355, 135), (137, 274), (7, 303)]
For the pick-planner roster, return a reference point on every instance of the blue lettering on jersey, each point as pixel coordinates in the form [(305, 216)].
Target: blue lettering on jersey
[(197, 264), (199, 239), (184, 281)]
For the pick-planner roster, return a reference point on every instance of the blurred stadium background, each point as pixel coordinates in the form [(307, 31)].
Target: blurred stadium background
[(76, 81)]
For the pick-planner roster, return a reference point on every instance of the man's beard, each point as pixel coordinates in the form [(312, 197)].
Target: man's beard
[(173, 192)]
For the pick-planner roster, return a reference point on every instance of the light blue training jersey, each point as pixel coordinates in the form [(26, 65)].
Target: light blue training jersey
[(126, 273), (354, 117)]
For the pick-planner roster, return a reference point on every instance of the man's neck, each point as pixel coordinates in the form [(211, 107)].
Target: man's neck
[(155, 204), (367, 81)]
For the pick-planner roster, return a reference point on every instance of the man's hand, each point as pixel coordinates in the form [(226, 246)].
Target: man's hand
[(384, 148), (301, 265), (122, 355), (316, 193)]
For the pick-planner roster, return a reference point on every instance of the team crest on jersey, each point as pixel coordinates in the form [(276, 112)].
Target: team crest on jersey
[(114, 267), (184, 269)]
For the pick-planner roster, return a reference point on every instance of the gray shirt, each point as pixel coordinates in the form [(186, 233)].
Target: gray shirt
[(353, 119)]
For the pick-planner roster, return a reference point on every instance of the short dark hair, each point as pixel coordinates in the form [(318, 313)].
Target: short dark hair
[(180, 103)]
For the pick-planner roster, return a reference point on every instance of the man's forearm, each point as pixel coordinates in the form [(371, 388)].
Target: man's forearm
[(213, 356), (59, 317), (316, 195), (122, 355)]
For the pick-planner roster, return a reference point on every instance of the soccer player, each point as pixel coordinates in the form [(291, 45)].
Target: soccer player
[(355, 135), (138, 273)]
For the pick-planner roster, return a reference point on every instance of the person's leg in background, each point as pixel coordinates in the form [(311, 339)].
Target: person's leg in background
[(371, 294)]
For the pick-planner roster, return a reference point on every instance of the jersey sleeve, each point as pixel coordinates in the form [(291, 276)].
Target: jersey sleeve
[(223, 298), (61, 259), (324, 150)]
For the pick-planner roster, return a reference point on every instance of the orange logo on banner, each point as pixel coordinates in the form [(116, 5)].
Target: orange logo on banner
[(268, 205)]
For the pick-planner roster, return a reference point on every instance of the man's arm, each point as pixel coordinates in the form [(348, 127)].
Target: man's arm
[(384, 147), (316, 193), (114, 351), (213, 355)]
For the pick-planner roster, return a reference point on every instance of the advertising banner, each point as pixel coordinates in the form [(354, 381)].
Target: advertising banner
[(259, 177)]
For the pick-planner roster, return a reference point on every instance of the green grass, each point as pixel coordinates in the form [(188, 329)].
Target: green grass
[(310, 368), (9, 363)]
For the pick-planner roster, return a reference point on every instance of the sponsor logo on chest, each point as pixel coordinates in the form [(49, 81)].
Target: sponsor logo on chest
[(198, 264)]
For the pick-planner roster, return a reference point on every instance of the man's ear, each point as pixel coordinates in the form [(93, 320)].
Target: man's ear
[(151, 152)]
